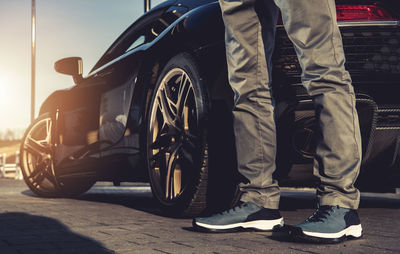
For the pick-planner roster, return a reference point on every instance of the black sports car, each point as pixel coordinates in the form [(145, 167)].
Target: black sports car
[(157, 108)]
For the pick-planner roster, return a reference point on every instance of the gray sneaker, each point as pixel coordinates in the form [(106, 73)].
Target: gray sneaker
[(244, 216), (328, 224)]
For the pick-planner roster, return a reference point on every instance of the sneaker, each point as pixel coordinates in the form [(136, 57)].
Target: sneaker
[(244, 216), (328, 224)]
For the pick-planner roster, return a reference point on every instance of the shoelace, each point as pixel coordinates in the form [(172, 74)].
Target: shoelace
[(320, 214), (234, 208)]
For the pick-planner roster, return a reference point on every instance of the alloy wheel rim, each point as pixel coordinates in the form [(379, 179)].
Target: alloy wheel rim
[(37, 157), (173, 135)]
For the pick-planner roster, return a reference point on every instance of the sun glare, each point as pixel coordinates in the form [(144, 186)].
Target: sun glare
[(5, 93), (13, 109)]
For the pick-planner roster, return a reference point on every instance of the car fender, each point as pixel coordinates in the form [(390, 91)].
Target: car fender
[(53, 101), (196, 30), (199, 32)]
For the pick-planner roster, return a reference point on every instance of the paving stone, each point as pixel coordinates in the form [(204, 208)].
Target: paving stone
[(111, 220)]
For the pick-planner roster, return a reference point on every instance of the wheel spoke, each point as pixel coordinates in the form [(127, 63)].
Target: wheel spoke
[(40, 173), (35, 145), (39, 179), (172, 106), (183, 94), (161, 141), (30, 149), (169, 186), (50, 177), (166, 111), (39, 168), (34, 173), (48, 131), (159, 155)]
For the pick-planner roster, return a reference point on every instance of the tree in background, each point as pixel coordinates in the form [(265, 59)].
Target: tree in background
[(11, 134)]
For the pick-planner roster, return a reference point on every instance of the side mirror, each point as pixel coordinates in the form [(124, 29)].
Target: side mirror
[(71, 66)]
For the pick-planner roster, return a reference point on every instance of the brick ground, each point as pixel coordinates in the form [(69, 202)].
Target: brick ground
[(127, 220)]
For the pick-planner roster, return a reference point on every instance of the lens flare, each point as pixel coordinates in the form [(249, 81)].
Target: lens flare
[(7, 95), (4, 83)]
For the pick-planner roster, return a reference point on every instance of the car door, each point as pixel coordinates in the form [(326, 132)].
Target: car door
[(120, 77), (92, 116)]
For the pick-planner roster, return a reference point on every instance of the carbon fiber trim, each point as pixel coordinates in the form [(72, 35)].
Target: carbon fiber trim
[(388, 118), (303, 140)]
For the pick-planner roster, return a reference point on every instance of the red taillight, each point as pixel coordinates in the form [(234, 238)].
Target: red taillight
[(357, 12), (362, 13)]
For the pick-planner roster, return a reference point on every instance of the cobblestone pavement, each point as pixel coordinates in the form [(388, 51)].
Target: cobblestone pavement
[(126, 220)]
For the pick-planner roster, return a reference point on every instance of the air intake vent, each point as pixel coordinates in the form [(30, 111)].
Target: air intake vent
[(388, 118), (369, 50)]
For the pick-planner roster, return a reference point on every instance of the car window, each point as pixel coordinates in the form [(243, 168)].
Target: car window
[(152, 30), (139, 41), (128, 38), (142, 31)]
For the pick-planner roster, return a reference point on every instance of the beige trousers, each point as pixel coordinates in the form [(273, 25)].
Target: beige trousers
[(311, 26)]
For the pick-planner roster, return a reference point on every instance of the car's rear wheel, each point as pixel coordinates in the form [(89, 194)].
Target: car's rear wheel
[(36, 158), (176, 138)]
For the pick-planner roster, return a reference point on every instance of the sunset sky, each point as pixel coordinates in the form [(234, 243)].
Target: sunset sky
[(84, 28)]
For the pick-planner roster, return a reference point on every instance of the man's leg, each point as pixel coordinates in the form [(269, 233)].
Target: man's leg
[(312, 27), (253, 112)]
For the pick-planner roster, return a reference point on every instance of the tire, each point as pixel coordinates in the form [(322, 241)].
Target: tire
[(37, 163), (36, 158), (176, 140)]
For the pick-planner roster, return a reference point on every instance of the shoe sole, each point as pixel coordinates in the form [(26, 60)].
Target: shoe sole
[(258, 225), (349, 233)]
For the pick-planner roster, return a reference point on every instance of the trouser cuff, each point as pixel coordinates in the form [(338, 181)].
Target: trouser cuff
[(266, 202), (342, 201)]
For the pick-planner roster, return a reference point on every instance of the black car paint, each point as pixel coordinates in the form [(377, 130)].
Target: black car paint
[(79, 105)]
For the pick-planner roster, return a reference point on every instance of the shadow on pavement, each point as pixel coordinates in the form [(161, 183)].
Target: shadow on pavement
[(140, 198), (290, 200), (26, 233), (134, 198)]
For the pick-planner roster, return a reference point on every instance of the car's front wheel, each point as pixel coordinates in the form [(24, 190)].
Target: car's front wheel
[(36, 157), (37, 162), (176, 138)]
